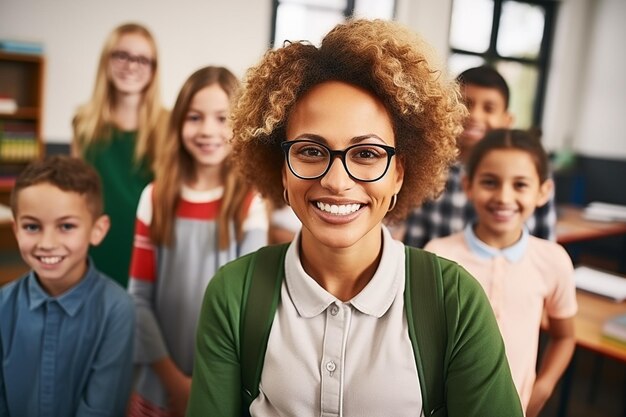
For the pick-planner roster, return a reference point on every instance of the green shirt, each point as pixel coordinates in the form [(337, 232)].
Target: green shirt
[(123, 180)]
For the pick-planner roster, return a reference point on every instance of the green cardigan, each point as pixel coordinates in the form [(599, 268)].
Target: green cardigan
[(477, 383)]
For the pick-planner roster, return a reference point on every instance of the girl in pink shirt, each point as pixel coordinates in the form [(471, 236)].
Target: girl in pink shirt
[(507, 178)]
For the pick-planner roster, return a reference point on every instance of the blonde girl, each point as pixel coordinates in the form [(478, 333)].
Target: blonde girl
[(197, 215), (116, 132)]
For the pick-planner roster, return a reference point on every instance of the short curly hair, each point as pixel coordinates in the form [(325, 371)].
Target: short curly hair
[(66, 173), (382, 57)]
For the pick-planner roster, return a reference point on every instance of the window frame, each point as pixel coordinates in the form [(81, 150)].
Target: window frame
[(541, 63), (347, 12)]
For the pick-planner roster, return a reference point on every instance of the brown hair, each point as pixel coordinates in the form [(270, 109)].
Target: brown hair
[(93, 120), (175, 165), (486, 77), (380, 56), (516, 139), (66, 173)]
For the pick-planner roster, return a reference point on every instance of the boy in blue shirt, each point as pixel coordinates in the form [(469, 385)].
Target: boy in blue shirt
[(66, 330)]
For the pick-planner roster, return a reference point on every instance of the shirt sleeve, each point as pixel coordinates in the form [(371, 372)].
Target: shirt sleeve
[(255, 226), (149, 342), (216, 382), (110, 380), (478, 379), (561, 303)]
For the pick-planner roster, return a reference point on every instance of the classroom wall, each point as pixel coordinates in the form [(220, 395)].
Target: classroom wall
[(189, 34), (585, 97), (602, 127)]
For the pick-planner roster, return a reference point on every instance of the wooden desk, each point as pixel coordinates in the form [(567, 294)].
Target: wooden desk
[(572, 227), (593, 311)]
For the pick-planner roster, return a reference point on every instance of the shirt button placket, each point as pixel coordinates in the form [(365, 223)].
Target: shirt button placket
[(331, 360), (48, 359)]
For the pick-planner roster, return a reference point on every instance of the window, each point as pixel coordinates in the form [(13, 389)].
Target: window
[(311, 19), (515, 37)]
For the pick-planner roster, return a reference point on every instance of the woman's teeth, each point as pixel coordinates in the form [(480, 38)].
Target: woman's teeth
[(341, 210)]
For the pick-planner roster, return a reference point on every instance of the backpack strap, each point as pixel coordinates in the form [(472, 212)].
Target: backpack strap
[(423, 301), (264, 282)]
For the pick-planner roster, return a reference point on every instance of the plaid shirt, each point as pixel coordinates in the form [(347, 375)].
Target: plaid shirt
[(452, 211)]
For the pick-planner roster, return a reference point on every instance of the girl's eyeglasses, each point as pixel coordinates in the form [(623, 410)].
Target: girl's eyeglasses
[(123, 58)]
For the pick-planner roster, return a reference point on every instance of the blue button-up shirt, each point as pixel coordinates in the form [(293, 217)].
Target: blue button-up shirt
[(69, 355)]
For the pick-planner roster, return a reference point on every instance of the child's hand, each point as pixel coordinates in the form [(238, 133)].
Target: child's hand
[(176, 383), (179, 395), (540, 395)]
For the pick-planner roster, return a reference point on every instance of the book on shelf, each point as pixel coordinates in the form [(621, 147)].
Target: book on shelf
[(6, 181), (18, 149), (18, 142), (7, 104), (615, 329), (21, 47), (16, 126)]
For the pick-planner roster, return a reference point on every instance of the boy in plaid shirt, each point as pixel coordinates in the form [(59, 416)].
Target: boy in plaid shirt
[(486, 94)]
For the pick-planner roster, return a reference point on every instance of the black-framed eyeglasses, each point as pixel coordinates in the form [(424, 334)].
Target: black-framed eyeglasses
[(124, 58), (310, 160)]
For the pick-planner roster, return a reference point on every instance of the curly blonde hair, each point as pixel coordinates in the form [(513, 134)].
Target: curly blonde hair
[(383, 57)]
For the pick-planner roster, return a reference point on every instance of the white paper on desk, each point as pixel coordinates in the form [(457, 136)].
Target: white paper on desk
[(602, 283), (605, 212)]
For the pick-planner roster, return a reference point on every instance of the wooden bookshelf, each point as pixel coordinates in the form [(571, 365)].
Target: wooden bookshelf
[(21, 79)]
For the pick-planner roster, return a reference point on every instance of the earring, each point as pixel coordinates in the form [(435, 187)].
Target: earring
[(286, 197), (394, 200)]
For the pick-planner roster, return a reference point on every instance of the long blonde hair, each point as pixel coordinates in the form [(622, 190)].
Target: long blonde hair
[(175, 165), (93, 120)]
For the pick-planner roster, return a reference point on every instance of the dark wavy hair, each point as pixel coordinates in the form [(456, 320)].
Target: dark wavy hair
[(486, 76), (527, 141)]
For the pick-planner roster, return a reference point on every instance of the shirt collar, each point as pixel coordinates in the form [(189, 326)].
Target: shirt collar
[(511, 253), (71, 301), (195, 196), (310, 299)]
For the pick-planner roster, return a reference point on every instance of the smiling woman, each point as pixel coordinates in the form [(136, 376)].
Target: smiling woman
[(324, 203), (356, 131)]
